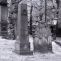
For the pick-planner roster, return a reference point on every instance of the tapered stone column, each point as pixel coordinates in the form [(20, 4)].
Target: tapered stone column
[(22, 42)]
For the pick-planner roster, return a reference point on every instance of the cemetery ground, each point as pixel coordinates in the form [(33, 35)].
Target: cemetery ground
[(7, 53)]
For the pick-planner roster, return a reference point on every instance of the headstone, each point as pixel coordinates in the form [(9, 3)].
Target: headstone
[(22, 42)]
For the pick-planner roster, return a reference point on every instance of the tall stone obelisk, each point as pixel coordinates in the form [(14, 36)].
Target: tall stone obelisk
[(22, 42)]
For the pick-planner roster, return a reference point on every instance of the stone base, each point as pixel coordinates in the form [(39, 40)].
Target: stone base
[(23, 48), (26, 52)]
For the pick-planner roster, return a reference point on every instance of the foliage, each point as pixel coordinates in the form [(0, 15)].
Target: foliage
[(38, 13)]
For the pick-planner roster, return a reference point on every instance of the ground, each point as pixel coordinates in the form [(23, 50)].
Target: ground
[(7, 53)]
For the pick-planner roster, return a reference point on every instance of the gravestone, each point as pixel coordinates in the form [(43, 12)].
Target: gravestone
[(22, 43)]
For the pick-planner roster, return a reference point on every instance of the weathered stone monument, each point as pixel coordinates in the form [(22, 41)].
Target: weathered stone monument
[(22, 43), (3, 17)]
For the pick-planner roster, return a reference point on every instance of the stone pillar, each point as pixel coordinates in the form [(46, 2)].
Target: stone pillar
[(22, 43), (3, 15)]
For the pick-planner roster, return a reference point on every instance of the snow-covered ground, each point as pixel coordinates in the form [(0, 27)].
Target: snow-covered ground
[(7, 53), (56, 48)]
